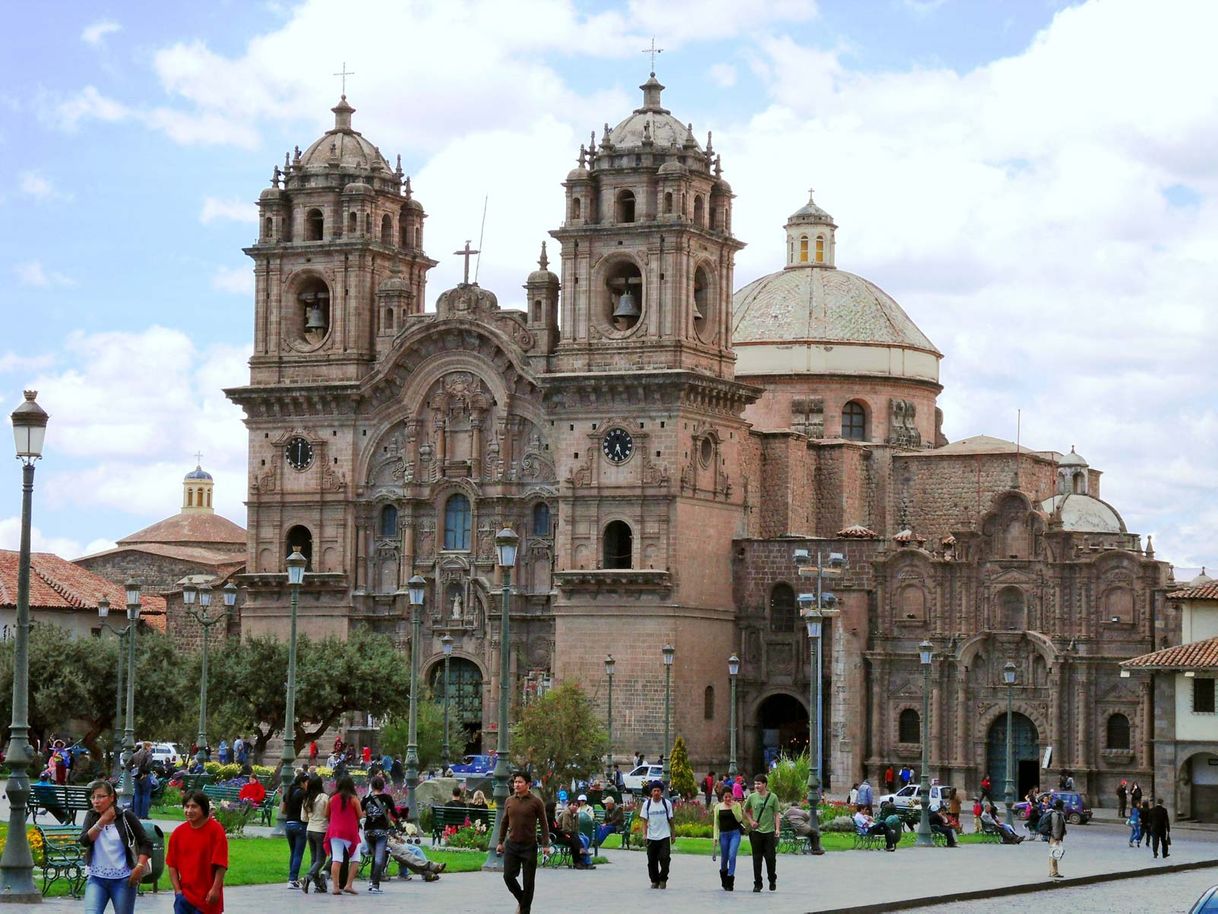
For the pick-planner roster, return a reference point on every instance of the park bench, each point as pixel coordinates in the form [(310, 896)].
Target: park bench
[(196, 781), (444, 816), (790, 842), (868, 842), (62, 857), (60, 800), (265, 809), (991, 834)]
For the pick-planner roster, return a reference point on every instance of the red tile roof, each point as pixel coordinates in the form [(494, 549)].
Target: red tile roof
[(56, 583), (1203, 592), (191, 530), (1197, 655)]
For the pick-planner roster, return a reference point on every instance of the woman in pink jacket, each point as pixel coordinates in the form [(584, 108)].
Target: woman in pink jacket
[(342, 834)]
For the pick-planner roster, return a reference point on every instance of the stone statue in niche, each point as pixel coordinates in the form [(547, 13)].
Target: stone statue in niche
[(901, 423), (458, 614)]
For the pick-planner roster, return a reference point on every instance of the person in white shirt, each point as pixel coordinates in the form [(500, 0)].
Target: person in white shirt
[(657, 812)]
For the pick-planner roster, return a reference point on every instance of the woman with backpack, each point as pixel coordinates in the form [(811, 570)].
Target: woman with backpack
[(379, 814), (342, 834)]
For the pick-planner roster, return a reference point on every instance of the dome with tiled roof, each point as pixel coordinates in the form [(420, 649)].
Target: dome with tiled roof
[(343, 147)]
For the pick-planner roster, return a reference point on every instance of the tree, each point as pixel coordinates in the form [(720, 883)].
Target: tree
[(559, 737), (683, 783), (395, 734)]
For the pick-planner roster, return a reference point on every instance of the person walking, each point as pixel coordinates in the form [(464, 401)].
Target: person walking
[(986, 786), (379, 814), (657, 812), (314, 810), (523, 816), (761, 813), (342, 834), (727, 822), (1135, 825), (1057, 835), (1160, 829), (865, 795), (223, 751), (141, 773), (1135, 794), (889, 779), (116, 851), (1122, 797), (1146, 820), (294, 827), (197, 858)]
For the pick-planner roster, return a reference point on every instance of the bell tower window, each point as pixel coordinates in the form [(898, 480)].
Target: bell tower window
[(820, 248), (576, 208), (668, 203), (268, 228), (622, 298), (352, 224), (313, 312), (625, 206), (618, 545), (315, 225), (704, 307), (299, 537), (803, 248), (386, 229), (699, 210)]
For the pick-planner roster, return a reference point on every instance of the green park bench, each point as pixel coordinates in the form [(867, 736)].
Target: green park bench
[(444, 816), (196, 781), (265, 809), (789, 842), (60, 800), (62, 857)]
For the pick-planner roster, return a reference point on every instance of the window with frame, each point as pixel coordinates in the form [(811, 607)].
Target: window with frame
[(389, 521), (457, 519), (1117, 736), (1203, 696), (541, 519), (854, 422), (708, 703), (782, 608), (909, 727)]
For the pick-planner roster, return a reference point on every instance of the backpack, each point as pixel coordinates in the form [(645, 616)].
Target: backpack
[(376, 813), (1045, 825)]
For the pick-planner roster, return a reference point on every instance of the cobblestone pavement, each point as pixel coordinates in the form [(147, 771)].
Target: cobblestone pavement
[(805, 884)]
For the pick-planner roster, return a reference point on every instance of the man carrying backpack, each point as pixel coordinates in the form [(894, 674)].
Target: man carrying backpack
[(378, 813), (1057, 835)]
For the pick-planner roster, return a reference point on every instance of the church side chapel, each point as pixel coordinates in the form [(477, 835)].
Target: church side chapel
[(662, 443)]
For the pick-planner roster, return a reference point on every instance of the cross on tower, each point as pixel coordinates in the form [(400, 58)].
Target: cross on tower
[(198, 458), (653, 51), (344, 73), (467, 252)]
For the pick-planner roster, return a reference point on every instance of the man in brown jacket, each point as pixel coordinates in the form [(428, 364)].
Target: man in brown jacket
[(517, 843)]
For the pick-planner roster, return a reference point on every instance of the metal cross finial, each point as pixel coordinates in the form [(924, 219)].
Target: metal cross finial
[(344, 73), (653, 51), (467, 253), (199, 458)]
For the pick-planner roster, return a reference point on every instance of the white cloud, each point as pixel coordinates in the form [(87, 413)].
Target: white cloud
[(37, 185), (11, 362), (10, 538), (723, 75), (87, 104), (33, 273), (96, 33), (237, 280), (230, 209)]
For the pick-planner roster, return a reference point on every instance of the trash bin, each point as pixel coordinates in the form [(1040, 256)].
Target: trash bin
[(156, 838)]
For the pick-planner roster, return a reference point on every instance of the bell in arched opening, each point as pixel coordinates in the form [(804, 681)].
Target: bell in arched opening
[(627, 307)]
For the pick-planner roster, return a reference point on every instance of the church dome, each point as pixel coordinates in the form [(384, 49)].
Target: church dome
[(1072, 459), (197, 473), (1083, 514), (1201, 580), (343, 147), (652, 124)]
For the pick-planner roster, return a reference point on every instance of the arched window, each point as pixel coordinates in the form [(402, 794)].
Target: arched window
[(699, 210), (782, 608), (456, 522), (352, 224), (668, 203), (190, 498), (1014, 613), (418, 237), (1118, 732), (389, 521), (625, 206), (209, 498), (541, 519), (404, 227), (803, 248), (200, 496), (268, 228), (300, 538), (854, 421), (388, 325), (386, 229), (618, 545), (820, 248), (708, 703), (909, 727), (315, 225), (576, 208), (367, 223)]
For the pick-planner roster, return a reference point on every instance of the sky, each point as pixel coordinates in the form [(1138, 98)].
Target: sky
[(1035, 182)]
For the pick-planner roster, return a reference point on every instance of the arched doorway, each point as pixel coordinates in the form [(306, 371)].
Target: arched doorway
[(782, 723), (1025, 750), (464, 703), (1198, 788)]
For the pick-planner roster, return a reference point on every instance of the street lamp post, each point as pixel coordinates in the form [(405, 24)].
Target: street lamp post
[(506, 542), (1008, 676), (200, 615), (733, 670), (447, 643), (416, 589), (17, 863), (609, 722), (668, 651), (296, 571), (126, 790), (116, 750), (815, 609), (926, 653)]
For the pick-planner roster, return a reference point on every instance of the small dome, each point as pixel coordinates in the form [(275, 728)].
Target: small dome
[(1072, 459), (271, 193), (673, 168), (343, 147), (394, 284), (652, 124), (1201, 579), (543, 274), (413, 204), (357, 187), (197, 473), (578, 174), (810, 213), (1083, 514)]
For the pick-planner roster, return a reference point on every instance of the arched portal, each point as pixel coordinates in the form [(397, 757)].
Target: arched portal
[(1025, 750), (1197, 788), (782, 722), (464, 703)]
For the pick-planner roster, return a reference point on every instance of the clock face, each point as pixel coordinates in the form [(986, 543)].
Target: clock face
[(617, 445), (299, 453)]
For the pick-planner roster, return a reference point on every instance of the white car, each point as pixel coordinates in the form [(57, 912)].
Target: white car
[(640, 778), (167, 756), (905, 797)]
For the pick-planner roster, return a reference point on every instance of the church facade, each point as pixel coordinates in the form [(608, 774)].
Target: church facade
[(662, 444)]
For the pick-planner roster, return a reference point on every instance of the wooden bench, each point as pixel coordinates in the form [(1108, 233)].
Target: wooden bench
[(790, 842), (265, 810), (63, 857), (60, 800), (444, 816)]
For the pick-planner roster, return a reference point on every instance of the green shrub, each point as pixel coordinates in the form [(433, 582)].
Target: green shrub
[(839, 824), (690, 814), (694, 830), (682, 775), (789, 778), (171, 796), (425, 819)]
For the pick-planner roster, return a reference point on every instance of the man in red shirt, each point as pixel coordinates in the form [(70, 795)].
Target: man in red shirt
[(252, 792), (197, 859)]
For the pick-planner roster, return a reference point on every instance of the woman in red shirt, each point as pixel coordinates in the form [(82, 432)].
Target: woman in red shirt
[(342, 834), (197, 858)]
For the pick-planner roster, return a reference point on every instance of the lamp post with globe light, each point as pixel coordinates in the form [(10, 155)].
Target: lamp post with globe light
[(609, 665), (17, 863), (126, 789), (733, 669), (189, 594), (668, 651), (926, 654), (506, 542), (416, 589), (296, 563), (1008, 677), (116, 751), (447, 644)]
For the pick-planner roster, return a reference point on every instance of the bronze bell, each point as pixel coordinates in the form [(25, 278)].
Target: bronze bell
[(315, 315), (627, 307)]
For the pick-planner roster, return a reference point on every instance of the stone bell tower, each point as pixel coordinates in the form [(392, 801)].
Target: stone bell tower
[(645, 416)]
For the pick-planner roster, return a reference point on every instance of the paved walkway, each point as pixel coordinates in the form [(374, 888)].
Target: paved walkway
[(805, 884)]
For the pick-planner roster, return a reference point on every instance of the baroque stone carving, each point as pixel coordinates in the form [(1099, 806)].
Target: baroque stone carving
[(808, 416), (901, 428)]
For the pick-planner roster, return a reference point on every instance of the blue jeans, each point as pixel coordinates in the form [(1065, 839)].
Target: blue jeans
[(142, 804), (297, 841), (729, 844), (99, 892), (378, 849), (182, 906), (603, 832)]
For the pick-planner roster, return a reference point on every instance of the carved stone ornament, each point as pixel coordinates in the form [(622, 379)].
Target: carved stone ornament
[(902, 429)]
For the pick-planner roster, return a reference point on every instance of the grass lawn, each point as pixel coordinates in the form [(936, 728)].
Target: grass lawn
[(830, 841)]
